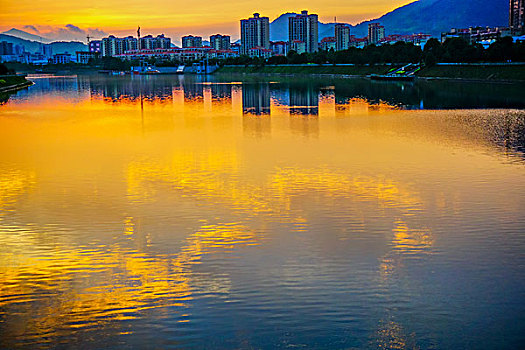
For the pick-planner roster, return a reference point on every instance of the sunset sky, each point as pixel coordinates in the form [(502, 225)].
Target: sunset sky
[(70, 20)]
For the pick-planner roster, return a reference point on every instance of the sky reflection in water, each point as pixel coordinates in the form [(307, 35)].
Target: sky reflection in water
[(173, 212)]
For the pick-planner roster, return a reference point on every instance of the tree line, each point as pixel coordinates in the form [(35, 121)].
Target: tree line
[(453, 50)]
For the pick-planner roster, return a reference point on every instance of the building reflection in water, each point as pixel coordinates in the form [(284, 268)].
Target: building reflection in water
[(304, 109), (221, 92), (193, 92), (256, 109), (124, 89), (304, 100), (256, 98)]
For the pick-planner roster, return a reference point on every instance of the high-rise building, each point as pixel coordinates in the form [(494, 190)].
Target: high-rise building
[(255, 33), (129, 43), (191, 41), (303, 27), (111, 46), (517, 16), (162, 42), (256, 98), (147, 42), (376, 32), (220, 42), (6, 48), (342, 36)]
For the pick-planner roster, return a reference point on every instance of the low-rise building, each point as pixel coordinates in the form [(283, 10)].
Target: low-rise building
[(279, 48), (83, 57), (419, 39), (236, 47), (328, 43), (222, 54), (260, 52), (62, 58), (358, 42), (477, 34), (298, 46)]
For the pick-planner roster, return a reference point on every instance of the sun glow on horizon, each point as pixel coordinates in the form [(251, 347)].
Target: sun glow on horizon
[(49, 18)]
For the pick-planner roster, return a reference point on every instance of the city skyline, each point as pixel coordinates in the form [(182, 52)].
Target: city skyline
[(57, 21)]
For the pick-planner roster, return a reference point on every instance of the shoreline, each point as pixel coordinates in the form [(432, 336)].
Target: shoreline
[(467, 73), (10, 83), (16, 87)]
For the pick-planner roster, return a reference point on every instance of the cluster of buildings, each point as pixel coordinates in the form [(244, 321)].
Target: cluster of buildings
[(474, 35), (303, 37), (10, 52)]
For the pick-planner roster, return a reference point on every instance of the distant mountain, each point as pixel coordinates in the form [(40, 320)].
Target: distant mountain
[(68, 46), (423, 16), (35, 46), (27, 36), (436, 16)]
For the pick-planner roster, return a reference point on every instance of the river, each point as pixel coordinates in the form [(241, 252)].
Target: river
[(262, 212)]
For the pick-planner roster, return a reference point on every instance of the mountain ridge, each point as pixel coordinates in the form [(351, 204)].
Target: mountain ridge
[(423, 16), (26, 36), (35, 46)]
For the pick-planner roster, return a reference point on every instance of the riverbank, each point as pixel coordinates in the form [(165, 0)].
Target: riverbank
[(13, 82), (353, 70), (464, 72), (475, 72), (61, 69)]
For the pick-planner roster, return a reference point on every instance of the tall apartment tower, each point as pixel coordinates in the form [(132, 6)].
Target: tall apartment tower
[(376, 32), (342, 36), (303, 28), (517, 16), (220, 42), (191, 41), (255, 32), (111, 46)]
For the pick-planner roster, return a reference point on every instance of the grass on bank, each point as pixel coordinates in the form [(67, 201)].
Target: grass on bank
[(313, 69), (6, 80), (511, 72), (475, 72)]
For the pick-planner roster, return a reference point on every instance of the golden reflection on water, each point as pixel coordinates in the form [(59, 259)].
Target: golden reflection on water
[(127, 161), (144, 281)]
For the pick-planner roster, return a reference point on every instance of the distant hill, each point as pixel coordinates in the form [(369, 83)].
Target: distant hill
[(27, 36), (436, 16), (423, 16), (35, 46)]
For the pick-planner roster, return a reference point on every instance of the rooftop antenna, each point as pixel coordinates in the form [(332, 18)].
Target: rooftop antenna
[(138, 36), (88, 37)]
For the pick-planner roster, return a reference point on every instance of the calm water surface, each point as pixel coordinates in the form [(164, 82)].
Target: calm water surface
[(171, 212)]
